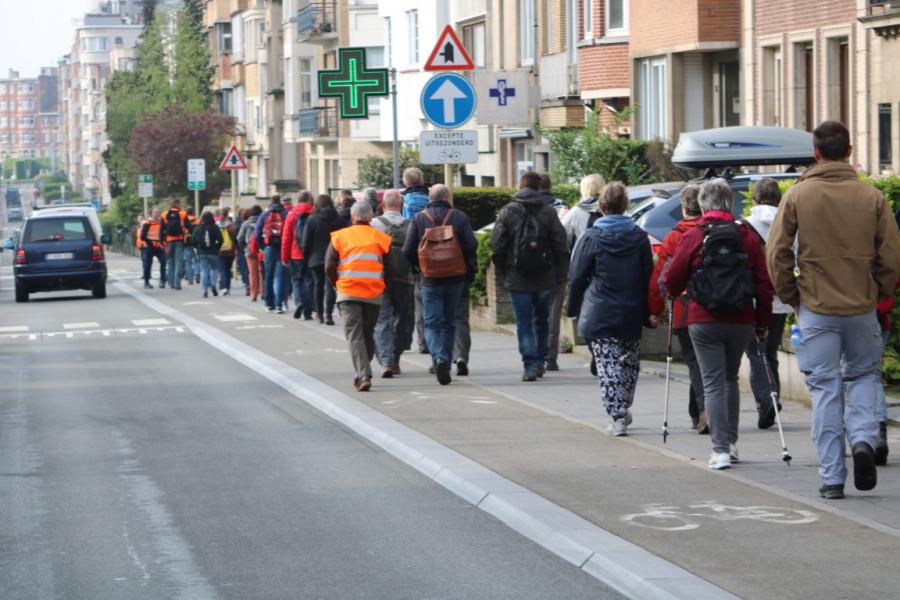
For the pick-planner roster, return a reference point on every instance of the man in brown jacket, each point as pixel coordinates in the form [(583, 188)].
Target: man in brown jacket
[(848, 254)]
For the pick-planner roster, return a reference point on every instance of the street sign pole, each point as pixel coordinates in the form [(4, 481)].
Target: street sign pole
[(197, 203), (233, 190), (396, 134)]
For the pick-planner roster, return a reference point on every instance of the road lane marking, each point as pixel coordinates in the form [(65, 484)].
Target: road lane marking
[(245, 327), (233, 318), (84, 325), (14, 329), (554, 528), (150, 322), (198, 302)]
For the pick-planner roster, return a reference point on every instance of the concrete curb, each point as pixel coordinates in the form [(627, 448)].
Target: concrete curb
[(616, 562)]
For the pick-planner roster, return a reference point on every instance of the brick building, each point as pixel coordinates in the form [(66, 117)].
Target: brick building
[(29, 116), (685, 66), (603, 62)]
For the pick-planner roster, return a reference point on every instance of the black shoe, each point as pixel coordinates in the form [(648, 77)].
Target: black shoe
[(552, 365), (147, 285), (431, 369), (214, 291), (540, 372), (321, 319), (329, 320), (864, 475), (298, 312), (307, 317), (766, 416), (162, 285), (529, 375), (462, 369), (442, 370), (387, 373), (881, 446), (593, 367), (832, 492), (423, 350)]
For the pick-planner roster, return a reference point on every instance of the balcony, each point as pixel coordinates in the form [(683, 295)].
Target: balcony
[(317, 21), (883, 17), (558, 78), (318, 123)]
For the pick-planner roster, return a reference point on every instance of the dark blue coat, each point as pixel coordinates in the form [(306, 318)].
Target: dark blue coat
[(462, 230), (608, 279)]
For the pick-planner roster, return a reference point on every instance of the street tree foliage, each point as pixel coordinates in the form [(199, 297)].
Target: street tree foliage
[(593, 149), (172, 71), (378, 171), (164, 141)]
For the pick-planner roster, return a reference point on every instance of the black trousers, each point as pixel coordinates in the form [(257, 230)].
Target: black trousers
[(324, 292)]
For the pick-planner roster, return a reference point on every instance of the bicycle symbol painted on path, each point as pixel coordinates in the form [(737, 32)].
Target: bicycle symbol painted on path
[(675, 518)]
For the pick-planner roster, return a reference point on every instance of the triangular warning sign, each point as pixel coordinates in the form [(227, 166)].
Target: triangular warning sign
[(449, 54), (233, 160)]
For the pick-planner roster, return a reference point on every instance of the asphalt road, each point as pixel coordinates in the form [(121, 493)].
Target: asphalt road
[(142, 463)]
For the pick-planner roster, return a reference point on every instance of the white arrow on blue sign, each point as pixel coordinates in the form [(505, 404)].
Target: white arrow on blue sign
[(448, 100)]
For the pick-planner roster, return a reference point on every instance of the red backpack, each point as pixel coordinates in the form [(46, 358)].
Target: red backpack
[(272, 230)]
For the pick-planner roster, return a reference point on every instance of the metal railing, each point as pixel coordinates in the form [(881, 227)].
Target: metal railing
[(320, 122), (316, 18)]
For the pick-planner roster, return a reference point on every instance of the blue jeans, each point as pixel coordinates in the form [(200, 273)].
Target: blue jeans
[(242, 268), (532, 326), (208, 264), (174, 258), (190, 257), (301, 285), (880, 402), (841, 358), (225, 264), (439, 308), (274, 284)]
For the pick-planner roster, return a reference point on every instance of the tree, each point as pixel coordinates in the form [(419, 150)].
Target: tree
[(164, 141), (192, 84), (148, 11), (377, 171)]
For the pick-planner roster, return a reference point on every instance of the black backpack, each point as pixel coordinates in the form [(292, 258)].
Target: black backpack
[(533, 252), (298, 231), (401, 269), (173, 223), (204, 241), (723, 283)]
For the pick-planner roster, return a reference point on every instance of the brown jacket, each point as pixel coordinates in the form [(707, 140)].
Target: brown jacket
[(848, 244)]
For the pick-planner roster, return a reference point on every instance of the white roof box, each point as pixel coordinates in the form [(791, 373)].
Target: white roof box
[(744, 146)]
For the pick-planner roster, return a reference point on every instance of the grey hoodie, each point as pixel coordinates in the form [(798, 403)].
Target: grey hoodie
[(576, 220), (761, 218)]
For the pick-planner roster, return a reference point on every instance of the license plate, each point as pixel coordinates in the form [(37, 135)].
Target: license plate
[(60, 256)]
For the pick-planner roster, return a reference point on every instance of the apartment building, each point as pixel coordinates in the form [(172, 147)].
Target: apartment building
[(29, 116), (98, 38), (879, 85), (603, 62)]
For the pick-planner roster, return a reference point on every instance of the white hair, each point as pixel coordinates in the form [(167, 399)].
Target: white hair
[(393, 199), (361, 210), (715, 194)]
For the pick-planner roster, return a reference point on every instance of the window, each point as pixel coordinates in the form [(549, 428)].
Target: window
[(26, 104), (473, 38), (729, 94), (526, 32), (616, 17), (95, 44), (804, 91), (837, 73), (224, 41), (652, 106), (587, 14), (4, 105), (305, 81), (26, 121), (884, 136), (4, 122), (412, 36), (772, 84), (225, 102), (118, 41), (4, 138)]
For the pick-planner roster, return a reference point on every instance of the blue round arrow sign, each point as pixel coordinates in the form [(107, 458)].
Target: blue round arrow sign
[(448, 100)]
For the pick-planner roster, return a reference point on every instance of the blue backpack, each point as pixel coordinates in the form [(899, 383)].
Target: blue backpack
[(298, 231), (413, 204)]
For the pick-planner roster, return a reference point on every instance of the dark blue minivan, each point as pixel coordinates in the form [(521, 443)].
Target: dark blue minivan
[(60, 248)]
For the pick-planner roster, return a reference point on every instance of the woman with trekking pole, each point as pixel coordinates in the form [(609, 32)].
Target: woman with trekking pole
[(608, 276), (723, 266)]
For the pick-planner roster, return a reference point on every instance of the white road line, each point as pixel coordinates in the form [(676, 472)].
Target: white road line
[(150, 322), (84, 325), (14, 329), (234, 318), (629, 569)]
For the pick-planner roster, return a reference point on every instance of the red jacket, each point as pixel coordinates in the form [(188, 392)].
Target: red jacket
[(289, 249), (885, 308), (656, 294), (687, 259)]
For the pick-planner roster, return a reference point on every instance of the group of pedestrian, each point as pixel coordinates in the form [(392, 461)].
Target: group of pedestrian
[(404, 265)]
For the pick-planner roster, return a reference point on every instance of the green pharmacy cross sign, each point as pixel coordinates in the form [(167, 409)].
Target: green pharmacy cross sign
[(353, 82)]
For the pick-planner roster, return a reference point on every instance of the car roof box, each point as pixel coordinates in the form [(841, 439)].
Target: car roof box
[(743, 147)]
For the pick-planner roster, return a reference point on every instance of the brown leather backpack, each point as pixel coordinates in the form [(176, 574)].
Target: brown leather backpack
[(440, 254)]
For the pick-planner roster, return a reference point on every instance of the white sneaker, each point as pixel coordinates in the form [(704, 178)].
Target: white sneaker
[(733, 454), (628, 418), (617, 428), (719, 461)]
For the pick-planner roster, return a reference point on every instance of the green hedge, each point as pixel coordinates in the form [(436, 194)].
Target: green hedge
[(481, 204)]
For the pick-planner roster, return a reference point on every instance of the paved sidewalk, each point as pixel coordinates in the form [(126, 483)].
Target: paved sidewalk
[(734, 529)]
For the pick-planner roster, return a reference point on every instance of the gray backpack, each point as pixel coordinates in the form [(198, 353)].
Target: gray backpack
[(399, 264)]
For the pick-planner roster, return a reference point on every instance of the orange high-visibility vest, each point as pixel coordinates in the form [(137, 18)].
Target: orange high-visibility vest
[(138, 242), (154, 233), (361, 249)]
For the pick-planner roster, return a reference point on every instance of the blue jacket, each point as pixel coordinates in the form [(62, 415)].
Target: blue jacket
[(414, 200), (608, 278), (462, 230)]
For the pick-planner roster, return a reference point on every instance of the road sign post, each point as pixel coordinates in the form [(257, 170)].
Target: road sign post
[(396, 140), (196, 168), (233, 162), (145, 190)]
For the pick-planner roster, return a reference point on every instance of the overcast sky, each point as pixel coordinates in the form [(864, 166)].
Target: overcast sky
[(36, 33)]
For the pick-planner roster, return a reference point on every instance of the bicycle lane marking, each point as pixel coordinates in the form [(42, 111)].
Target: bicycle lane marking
[(667, 518)]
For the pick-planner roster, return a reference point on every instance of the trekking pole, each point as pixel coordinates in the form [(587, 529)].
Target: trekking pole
[(665, 427), (760, 342)]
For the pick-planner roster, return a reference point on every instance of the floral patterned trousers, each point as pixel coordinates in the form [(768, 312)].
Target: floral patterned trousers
[(618, 366)]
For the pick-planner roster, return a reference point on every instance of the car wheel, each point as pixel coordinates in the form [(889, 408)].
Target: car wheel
[(21, 293), (99, 290)]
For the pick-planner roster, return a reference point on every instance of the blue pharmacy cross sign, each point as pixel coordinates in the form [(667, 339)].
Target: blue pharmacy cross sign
[(502, 93), (353, 83), (448, 100)]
